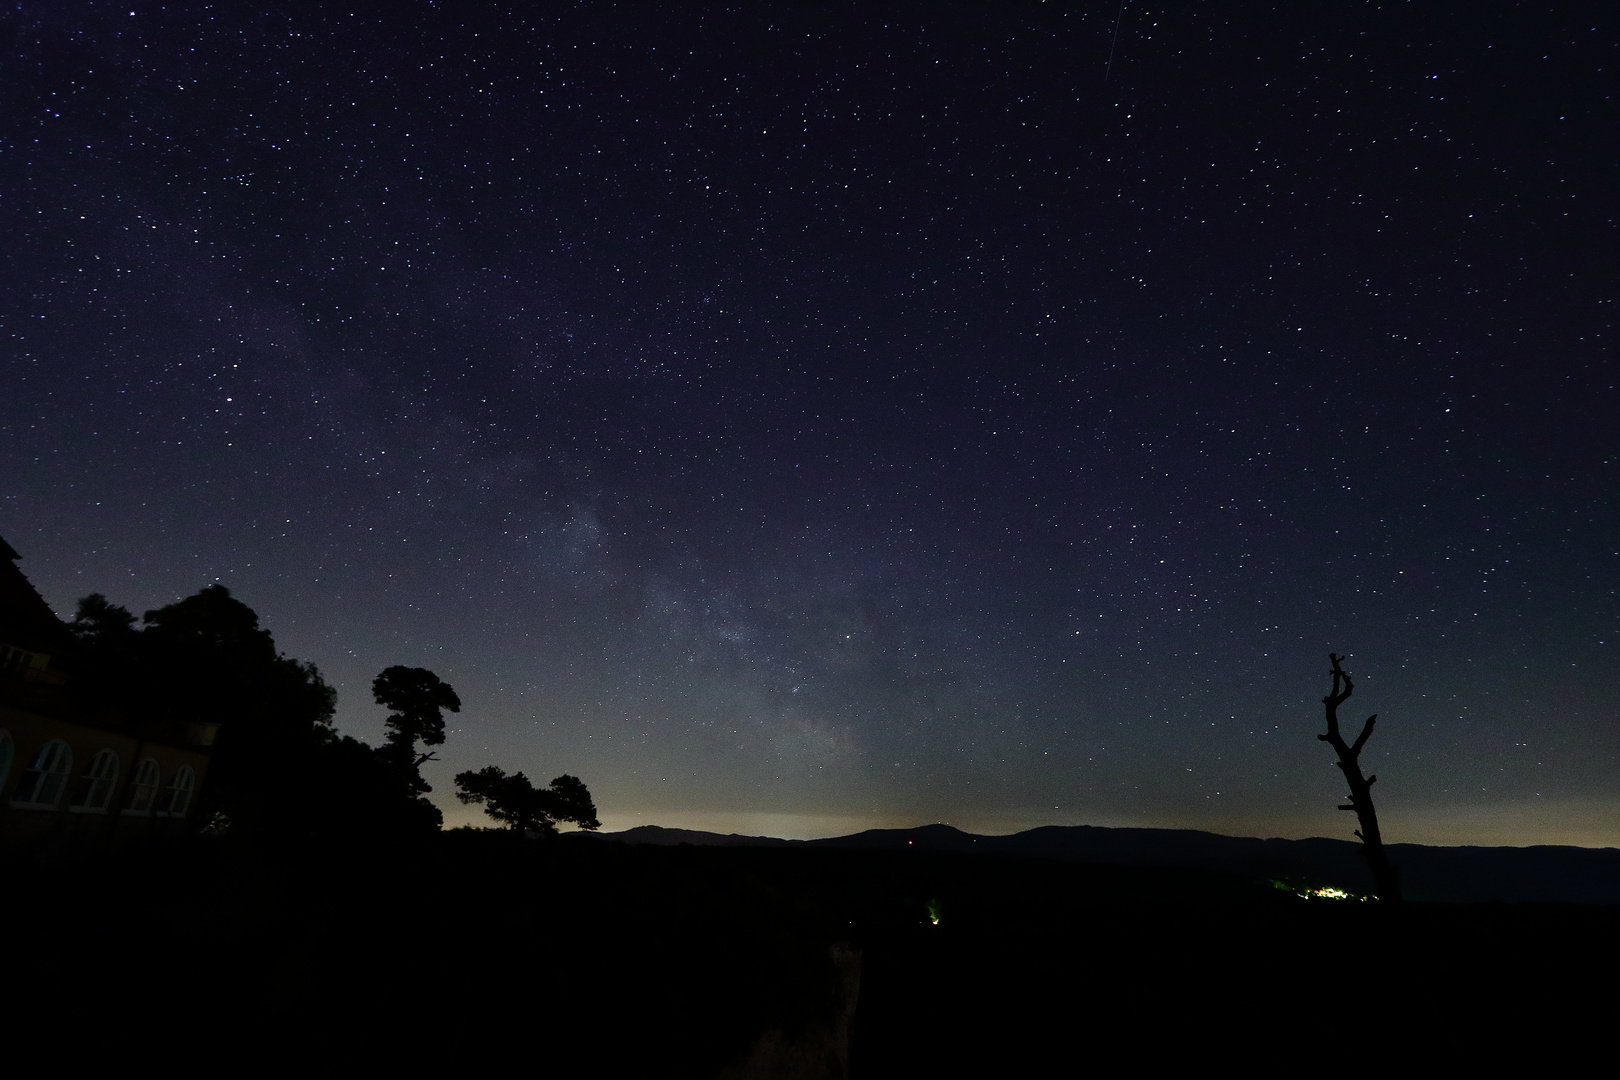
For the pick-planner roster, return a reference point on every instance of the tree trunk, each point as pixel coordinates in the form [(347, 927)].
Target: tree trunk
[(1385, 877)]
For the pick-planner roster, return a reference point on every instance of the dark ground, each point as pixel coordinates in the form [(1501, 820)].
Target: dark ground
[(573, 958)]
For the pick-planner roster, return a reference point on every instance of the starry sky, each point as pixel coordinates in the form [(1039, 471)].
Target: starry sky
[(798, 418)]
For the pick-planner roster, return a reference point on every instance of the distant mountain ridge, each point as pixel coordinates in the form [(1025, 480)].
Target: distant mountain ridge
[(1542, 874), (659, 836)]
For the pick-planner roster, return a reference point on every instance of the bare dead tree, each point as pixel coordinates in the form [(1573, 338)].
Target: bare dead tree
[(1384, 875)]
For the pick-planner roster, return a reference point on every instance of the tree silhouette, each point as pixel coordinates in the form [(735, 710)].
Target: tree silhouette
[(206, 659), (109, 664), (279, 769), (415, 697), (573, 801), (99, 621), (1384, 875), (524, 807)]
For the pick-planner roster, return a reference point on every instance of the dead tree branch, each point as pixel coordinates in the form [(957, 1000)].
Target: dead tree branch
[(1384, 875)]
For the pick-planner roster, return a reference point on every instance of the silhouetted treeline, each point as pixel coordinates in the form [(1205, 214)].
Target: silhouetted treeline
[(279, 769)]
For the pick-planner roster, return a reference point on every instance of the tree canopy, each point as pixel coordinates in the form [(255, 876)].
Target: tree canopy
[(414, 697), (278, 767), (205, 659), (516, 802)]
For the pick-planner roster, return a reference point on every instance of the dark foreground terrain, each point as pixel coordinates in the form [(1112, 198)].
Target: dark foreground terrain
[(575, 957)]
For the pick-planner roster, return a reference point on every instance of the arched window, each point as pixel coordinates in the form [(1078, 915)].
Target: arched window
[(97, 783), (143, 793), (41, 786), (177, 800), (8, 749)]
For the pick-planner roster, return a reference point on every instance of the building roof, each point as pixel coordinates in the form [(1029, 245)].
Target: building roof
[(26, 620)]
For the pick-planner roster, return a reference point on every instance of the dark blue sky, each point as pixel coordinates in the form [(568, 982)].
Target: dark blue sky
[(794, 418)]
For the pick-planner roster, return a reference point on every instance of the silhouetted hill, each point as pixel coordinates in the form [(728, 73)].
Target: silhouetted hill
[(922, 838), (1545, 874), (659, 836)]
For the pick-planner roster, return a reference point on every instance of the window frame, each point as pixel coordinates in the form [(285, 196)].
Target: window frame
[(152, 790), (175, 788), (40, 773), (100, 777)]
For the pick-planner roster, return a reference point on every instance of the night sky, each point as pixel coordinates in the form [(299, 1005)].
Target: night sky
[(795, 419)]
